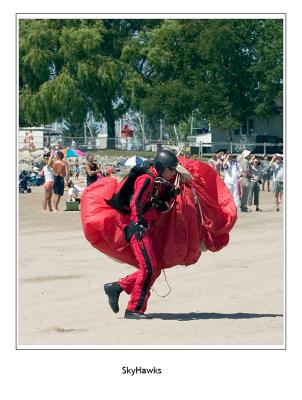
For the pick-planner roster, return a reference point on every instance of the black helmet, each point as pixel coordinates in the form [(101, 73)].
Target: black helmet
[(164, 159)]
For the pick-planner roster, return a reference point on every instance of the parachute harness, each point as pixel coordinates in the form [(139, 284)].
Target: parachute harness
[(159, 179)]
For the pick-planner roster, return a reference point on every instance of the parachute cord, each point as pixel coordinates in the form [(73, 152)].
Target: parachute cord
[(165, 295), (159, 179), (177, 181)]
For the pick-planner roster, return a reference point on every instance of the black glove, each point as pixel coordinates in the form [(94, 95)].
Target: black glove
[(136, 229), (171, 192), (159, 205), (139, 231)]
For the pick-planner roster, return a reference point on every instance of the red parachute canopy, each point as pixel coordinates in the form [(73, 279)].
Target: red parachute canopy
[(204, 211)]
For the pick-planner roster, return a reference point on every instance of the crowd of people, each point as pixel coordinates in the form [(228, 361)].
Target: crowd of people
[(246, 174), (57, 175)]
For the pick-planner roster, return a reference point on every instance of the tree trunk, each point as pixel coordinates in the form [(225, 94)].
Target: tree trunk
[(111, 132)]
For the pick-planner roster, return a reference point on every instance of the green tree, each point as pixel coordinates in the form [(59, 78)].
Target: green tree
[(227, 69), (69, 68)]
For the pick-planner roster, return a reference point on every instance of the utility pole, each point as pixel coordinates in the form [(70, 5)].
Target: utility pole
[(161, 130), (143, 131), (85, 133), (191, 133)]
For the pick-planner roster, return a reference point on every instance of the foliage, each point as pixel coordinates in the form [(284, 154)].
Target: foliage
[(227, 69), (69, 68), (224, 70)]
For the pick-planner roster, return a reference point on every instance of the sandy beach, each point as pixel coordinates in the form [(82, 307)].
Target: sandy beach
[(232, 297)]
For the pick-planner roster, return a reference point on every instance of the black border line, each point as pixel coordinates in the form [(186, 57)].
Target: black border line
[(284, 194)]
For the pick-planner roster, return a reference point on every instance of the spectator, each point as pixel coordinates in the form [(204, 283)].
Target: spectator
[(29, 140), (276, 166), (47, 172), (46, 152), (73, 143), (216, 163), (92, 170), (74, 192), (245, 179), (231, 177), (76, 169), (266, 173), (256, 177), (60, 169), (109, 171)]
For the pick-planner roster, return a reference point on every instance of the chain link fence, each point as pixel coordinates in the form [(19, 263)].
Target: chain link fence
[(130, 144)]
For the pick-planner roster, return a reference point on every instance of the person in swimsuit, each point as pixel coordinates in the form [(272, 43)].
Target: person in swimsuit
[(47, 172)]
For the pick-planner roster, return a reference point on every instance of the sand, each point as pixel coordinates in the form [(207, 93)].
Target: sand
[(234, 297)]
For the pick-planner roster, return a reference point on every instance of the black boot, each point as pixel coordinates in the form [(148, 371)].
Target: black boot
[(113, 291), (136, 315)]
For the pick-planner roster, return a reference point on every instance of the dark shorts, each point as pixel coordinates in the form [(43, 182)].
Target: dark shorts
[(58, 186)]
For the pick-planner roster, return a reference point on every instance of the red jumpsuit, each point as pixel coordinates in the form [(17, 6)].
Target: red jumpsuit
[(139, 284)]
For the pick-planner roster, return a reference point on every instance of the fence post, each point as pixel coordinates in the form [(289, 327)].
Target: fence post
[(200, 150), (231, 148), (264, 148)]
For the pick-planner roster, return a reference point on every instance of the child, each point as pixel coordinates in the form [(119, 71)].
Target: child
[(77, 170), (74, 192)]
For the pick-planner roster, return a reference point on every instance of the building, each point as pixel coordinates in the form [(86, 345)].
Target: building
[(258, 135), (33, 138)]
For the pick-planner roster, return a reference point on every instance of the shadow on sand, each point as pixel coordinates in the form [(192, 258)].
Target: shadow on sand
[(196, 316)]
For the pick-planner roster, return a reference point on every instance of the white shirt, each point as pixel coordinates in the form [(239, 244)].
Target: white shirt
[(75, 190), (231, 173), (277, 172)]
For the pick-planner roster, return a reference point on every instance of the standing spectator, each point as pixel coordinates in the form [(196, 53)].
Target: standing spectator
[(46, 152), (47, 172), (29, 140), (245, 179), (76, 169), (266, 173), (276, 166), (73, 143), (231, 177), (60, 170), (57, 148), (92, 170), (255, 183), (216, 163)]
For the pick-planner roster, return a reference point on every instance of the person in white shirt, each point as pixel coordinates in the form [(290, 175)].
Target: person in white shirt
[(232, 177), (276, 166), (74, 192)]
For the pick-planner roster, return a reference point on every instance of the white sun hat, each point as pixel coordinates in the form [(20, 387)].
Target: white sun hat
[(245, 153)]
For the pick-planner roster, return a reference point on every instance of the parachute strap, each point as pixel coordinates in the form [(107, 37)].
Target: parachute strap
[(175, 186), (120, 201)]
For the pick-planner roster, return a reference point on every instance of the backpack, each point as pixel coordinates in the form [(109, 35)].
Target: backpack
[(120, 201)]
